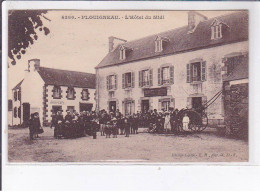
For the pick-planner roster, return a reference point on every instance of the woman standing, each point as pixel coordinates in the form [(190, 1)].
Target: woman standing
[(37, 125), (31, 129)]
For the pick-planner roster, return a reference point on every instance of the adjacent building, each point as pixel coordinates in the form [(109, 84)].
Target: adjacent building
[(47, 90), (179, 68), (236, 100)]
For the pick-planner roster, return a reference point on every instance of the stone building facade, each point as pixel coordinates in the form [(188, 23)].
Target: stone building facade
[(46, 90), (180, 68)]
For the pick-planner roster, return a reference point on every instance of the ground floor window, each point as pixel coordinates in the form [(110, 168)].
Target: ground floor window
[(55, 109), (15, 112), (166, 105), (129, 107), (85, 107), (71, 109)]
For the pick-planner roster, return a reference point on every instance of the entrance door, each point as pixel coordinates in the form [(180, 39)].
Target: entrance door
[(85, 107), (112, 106), (197, 104), (55, 109), (145, 105), (26, 112)]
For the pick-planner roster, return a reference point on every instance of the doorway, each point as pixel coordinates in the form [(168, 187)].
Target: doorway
[(112, 106), (26, 112), (197, 104), (145, 105)]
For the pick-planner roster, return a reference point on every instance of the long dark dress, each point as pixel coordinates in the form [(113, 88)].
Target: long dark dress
[(37, 126)]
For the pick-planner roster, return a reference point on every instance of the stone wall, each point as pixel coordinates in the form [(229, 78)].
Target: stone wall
[(236, 109)]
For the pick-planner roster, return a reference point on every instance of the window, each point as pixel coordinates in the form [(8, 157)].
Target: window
[(146, 78), (128, 80), (19, 95), (56, 92), (129, 107), (15, 112), (158, 45), (19, 112), (70, 108), (166, 75), (165, 105), (122, 53), (71, 93), (216, 31), (196, 74), (111, 82), (85, 94), (111, 94), (15, 95), (196, 71)]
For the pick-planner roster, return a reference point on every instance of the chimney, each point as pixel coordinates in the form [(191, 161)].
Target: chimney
[(35, 64), (113, 42), (194, 18)]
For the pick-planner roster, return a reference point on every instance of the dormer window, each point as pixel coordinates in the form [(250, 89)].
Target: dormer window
[(160, 43), (216, 30), (122, 53)]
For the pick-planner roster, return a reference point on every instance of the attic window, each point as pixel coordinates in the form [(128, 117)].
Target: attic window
[(122, 53), (216, 30), (158, 45)]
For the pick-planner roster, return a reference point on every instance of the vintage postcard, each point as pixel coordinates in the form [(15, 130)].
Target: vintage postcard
[(132, 86)]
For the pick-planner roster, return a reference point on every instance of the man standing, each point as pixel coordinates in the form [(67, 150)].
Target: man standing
[(126, 127)]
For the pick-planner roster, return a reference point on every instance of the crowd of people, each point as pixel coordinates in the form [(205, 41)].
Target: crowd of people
[(110, 124)]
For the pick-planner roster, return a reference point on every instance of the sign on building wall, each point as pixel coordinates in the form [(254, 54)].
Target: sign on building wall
[(150, 92)]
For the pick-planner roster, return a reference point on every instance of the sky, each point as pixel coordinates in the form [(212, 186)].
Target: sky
[(80, 44)]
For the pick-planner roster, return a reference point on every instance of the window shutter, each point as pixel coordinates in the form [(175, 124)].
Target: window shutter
[(133, 79), (115, 82), (188, 73), (171, 74), (189, 102), (159, 76), (123, 80), (140, 79), (108, 82), (203, 71), (151, 77)]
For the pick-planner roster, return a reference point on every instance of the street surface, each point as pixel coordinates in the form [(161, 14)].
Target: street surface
[(139, 148)]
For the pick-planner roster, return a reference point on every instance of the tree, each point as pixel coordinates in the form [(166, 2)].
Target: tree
[(23, 26)]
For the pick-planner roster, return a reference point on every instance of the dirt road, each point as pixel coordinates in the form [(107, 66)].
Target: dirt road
[(143, 147)]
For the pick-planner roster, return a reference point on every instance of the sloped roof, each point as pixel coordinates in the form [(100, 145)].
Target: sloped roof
[(67, 78), (18, 86), (240, 72), (181, 41)]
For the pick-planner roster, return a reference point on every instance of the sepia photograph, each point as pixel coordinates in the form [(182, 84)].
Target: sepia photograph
[(132, 86)]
